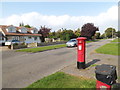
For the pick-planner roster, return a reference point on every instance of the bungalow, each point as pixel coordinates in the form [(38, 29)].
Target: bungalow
[(23, 34)]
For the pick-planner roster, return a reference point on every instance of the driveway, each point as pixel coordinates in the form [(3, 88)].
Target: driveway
[(4, 48), (22, 69)]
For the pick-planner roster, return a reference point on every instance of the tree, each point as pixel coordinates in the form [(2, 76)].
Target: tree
[(77, 32), (52, 35), (110, 32), (21, 24), (27, 26), (97, 35), (44, 32), (118, 34), (58, 33), (88, 30), (67, 35)]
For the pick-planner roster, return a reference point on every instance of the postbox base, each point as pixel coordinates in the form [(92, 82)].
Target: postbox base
[(81, 65), (102, 86)]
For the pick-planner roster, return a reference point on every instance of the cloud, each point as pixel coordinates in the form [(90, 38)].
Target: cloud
[(103, 20)]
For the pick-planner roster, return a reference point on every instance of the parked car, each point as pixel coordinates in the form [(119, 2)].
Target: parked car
[(71, 43), (12, 42)]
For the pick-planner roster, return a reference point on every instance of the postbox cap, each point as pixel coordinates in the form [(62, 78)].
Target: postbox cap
[(105, 69), (81, 38)]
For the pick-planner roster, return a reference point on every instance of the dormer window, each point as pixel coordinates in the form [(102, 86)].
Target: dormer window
[(23, 30), (7, 29), (11, 29), (19, 30), (32, 31)]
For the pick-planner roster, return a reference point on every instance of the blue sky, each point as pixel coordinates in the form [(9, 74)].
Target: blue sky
[(57, 8), (57, 15)]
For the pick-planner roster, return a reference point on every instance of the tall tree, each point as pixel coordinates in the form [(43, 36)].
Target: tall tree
[(110, 32), (27, 26), (21, 24), (88, 30), (67, 35), (97, 35), (77, 32), (44, 31), (118, 34)]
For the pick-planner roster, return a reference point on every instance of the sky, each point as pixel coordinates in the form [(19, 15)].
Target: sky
[(57, 15)]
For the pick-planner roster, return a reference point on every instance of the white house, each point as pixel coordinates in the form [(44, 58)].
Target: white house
[(23, 34)]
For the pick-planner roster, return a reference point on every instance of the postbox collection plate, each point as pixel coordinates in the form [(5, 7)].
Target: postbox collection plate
[(79, 47)]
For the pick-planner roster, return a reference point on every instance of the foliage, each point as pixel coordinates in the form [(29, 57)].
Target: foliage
[(21, 24), (77, 32), (44, 31), (103, 36), (15, 44), (62, 80), (118, 34), (62, 34), (88, 30), (97, 35), (27, 26), (52, 35), (67, 35), (110, 32)]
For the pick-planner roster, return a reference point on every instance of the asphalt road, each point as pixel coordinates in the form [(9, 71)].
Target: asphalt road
[(21, 69)]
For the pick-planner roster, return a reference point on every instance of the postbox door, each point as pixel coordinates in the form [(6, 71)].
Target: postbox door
[(81, 51)]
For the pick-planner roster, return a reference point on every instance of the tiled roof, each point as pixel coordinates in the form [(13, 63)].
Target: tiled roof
[(3, 27)]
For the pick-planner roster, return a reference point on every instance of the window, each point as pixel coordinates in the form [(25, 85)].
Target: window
[(10, 30), (16, 38), (35, 38), (0, 38)]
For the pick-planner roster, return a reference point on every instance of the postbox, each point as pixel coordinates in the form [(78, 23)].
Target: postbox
[(81, 52), (106, 76)]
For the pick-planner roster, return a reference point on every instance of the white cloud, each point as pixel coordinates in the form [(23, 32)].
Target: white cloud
[(103, 20)]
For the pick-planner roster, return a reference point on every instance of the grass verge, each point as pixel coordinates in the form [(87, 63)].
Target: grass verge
[(62, 80), (92, 41), (38, 49), (110, 48), (116, 40)]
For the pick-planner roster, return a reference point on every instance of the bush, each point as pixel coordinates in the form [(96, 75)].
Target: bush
[(15, 44)]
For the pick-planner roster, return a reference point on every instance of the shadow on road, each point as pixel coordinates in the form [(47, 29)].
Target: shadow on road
[(92, 62)]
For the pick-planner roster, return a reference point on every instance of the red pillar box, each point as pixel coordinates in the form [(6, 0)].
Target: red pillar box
[(106, 76), (81, 53), (100, 85)]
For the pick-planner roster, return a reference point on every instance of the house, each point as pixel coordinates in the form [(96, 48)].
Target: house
[(23, 34), (2, 38)]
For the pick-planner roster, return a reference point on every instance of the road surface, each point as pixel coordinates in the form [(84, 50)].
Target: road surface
[(21, 69)]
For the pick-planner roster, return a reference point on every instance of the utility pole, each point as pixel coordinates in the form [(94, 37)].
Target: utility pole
[(112, 33), (105, 35)]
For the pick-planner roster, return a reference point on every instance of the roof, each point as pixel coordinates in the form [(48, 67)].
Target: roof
[(3, 27)]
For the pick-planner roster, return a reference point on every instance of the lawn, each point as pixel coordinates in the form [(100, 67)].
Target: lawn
[(93, 41), (44, 48), (38, 49), (110, 48), (62, 80), (116, 40)]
